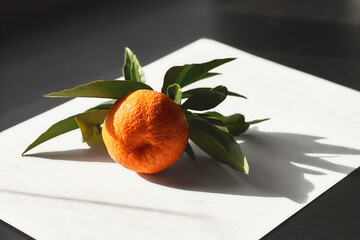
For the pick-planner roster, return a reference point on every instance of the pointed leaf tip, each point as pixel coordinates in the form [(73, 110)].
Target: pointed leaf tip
[(132, 69), (190, 73), (67, 125)]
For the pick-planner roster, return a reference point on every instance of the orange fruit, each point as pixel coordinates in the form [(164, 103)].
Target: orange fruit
[(145, 131)]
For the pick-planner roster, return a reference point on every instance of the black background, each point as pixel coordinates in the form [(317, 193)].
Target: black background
[(51, 45)]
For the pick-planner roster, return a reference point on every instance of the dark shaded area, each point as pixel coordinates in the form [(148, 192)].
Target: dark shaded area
[(333, 215), (51, 45), (9, 232), (94, 154), (276, 161)]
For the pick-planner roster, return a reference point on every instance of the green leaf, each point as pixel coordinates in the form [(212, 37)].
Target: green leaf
[(127, 63), (258, 121), (68, 124), (91, 132), (196, 91), (213, 120), (174, 92), (235, 123), (190, 73), (234, 94), (103, 106), (132, 69), (190, 152), (218, 144), (205, 98), (101, 89)]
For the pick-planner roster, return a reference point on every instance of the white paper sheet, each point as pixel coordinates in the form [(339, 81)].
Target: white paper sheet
[(66, 191)]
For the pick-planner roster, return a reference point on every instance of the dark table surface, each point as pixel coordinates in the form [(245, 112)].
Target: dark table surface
[(52, 45)]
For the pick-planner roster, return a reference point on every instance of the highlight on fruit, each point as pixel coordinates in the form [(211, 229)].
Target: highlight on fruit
[(147, 131)]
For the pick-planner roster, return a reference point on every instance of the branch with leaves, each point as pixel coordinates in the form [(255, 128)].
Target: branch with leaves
[(209, 130)]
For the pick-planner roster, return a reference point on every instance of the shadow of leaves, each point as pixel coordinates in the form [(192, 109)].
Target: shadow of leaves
[(278, 164), (95, 154)]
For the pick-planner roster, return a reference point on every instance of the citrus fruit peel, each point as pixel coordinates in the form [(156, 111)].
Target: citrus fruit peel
[(147, 131)]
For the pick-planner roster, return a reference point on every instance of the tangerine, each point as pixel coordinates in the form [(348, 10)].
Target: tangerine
[(145, 131)]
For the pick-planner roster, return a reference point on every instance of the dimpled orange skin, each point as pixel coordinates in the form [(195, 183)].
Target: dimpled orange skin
[(145, 131)]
